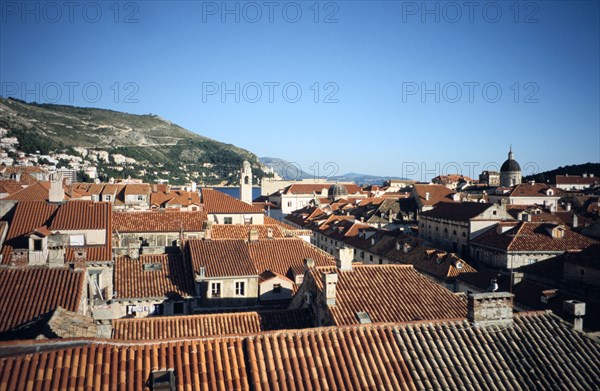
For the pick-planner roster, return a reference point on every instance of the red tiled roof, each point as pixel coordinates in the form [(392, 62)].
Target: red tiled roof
[(136, 189), (82, 215), (221, 258), (270, 220), (158, 221), (26, 293), (174, 279), (437, 194), (38, 191), (28, 216), (9, 186), (211, 325), (458, 211), (389, 293), (177, 197), (532, 236), (301, 188), (236, 231), (575, 180), (219, 202), (538, 351), (534, 190), (281, 255)]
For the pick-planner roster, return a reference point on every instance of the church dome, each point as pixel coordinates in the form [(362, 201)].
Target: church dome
[(337, 191), (510, 164)]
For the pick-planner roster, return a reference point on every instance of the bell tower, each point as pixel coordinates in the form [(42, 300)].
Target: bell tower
[(246, 183)]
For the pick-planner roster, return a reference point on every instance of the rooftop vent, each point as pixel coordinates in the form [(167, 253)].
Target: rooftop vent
[(151, 267), (363, 317), (163, 380)]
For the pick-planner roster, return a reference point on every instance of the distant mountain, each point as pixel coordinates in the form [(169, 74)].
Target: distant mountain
[(291, 171), (155, 144), (363, 179), (286, 170), (574, 169)]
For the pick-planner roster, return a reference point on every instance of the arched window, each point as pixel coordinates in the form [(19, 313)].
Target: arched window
[(246, 180)]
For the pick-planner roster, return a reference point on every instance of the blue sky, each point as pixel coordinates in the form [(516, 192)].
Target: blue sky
[(387, 87)]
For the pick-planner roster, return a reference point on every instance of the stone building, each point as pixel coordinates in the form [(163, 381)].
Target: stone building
[(510, 172)]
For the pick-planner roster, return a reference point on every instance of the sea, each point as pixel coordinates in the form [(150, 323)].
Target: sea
[(235, 191)]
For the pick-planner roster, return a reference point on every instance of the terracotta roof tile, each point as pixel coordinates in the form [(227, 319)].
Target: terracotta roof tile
[(537, 352), (437, 194), (174, 197), (219, 202), (191, 326), (281, 255), (136, 189), (575, 180), (221, 258), (26, 293), (534, 190), (532, 236), (82, 215), (459, 211), (173, 279), (236, 231), (389, 293), (9, 186), (158, 221), (28, 216)]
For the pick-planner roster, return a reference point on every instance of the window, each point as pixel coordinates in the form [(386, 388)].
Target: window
[(276, 288), (107, 197), (248, 220), (140, 197), (454, 232), (494, 213), (370, 258), (178, 308), (228, 220), (362, 255), (37, 245), (380, 261), (464, 234), (215, 289), (289, 203), (240, 288)]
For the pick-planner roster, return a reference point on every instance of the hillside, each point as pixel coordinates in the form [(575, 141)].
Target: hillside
[(574, 169), (157, 145)]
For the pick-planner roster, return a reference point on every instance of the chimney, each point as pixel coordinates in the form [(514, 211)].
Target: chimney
[(576, 310), (253, 235), (202, 272), (591, 175), (309, 263), (427, 196), (270, 233), (490, 309), (345, 256), (405, 248), (585, 174), (329, 282), (575, 221), (208, 230), (568, 207), (372, 241), (56, 193), (398, 246)]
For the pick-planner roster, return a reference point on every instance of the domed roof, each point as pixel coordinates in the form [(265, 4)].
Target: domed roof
[(337, 191), (510, 164)]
